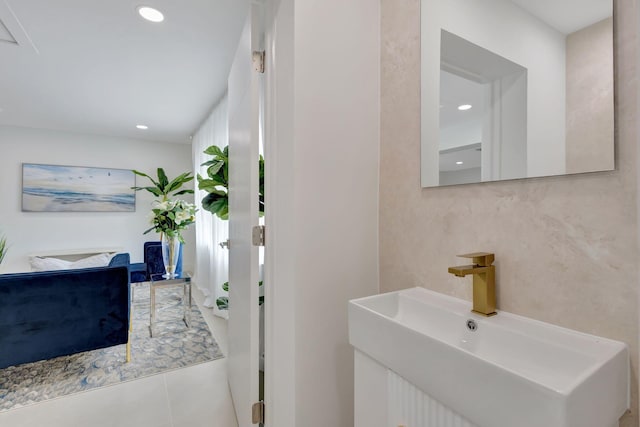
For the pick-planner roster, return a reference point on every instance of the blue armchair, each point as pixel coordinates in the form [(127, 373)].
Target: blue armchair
[(138, 272), (153, 263)]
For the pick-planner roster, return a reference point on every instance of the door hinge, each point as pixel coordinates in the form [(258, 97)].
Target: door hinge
[(257, 412), (258, 61), (257, 235)]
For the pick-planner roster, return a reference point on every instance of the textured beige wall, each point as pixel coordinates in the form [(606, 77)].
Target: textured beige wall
[(566, 247), (590, 98)]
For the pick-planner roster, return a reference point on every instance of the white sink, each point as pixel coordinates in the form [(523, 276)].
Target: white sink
[(511, 371)]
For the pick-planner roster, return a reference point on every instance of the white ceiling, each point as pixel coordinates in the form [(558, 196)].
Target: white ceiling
[(470, 156), (568, 16), (95, 66), (456, 91)]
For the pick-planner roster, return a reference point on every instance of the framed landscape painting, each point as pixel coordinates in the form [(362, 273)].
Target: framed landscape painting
[(51, 188)]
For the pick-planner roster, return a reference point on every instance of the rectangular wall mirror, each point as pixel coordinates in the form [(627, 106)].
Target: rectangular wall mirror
[(515, 89)]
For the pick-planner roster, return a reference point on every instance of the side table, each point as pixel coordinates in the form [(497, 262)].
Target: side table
[(159, 281)]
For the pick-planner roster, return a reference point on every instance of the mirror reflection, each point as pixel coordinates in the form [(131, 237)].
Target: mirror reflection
[(522, 89)]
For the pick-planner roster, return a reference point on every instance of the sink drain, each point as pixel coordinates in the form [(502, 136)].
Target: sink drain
[(472, 325)]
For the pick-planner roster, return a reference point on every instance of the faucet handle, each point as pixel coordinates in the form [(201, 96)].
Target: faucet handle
[(482, 259)]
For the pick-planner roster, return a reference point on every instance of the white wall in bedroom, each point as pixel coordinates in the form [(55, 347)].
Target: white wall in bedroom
[(32, 232)]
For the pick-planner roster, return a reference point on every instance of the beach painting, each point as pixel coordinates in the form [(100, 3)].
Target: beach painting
[(50, 188)]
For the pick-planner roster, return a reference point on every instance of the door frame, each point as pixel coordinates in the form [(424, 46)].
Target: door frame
[(279, 215)]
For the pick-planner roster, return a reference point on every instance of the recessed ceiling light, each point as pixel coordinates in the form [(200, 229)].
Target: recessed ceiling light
[(143, 127), (464, 107), (459, 163), (150, 14)]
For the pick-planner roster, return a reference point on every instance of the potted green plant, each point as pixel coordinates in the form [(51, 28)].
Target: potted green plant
[(216, 184), (163, 187), (223, 302), (169, 217)]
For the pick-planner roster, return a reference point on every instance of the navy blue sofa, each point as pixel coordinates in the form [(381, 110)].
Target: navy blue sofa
[(55, 313)]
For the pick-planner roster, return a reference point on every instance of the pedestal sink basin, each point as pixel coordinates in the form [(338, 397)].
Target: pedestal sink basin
[(500, 371)]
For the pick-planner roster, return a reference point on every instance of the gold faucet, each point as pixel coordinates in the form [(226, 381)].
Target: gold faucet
[(484, 281)]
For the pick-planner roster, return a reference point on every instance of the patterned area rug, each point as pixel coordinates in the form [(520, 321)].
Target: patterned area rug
[(173, 346)]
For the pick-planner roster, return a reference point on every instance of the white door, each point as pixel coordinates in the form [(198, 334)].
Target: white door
[(244, 122)]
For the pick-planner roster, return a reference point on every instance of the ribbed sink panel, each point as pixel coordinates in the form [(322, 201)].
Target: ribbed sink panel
[(410, 407)]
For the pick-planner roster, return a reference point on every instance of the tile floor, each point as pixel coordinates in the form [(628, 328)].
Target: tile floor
[(197, 396)]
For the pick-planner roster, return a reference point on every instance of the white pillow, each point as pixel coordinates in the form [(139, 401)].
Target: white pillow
[(48, 264), (99, 260)]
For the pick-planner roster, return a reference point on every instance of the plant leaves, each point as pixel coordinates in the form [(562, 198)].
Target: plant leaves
[(218, 193), (224, 213), (163, 181), (3, 248), (211, 182), (145, 175), (147, 231), (214, 150), (225, 300), (214, 168), (217, 205), (223, 303), (162, 187), (183, 192), (209, 185), (217, 184), (153, 190), (179, 181)]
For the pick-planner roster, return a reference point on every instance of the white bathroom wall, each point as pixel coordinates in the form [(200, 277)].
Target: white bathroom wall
[(35, 232), (463, 176), (508, 31), (336, 195), (322, 207), (465, 133), (513, 161)]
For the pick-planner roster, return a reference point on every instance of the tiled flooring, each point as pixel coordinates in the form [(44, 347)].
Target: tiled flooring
[(197, 396)]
